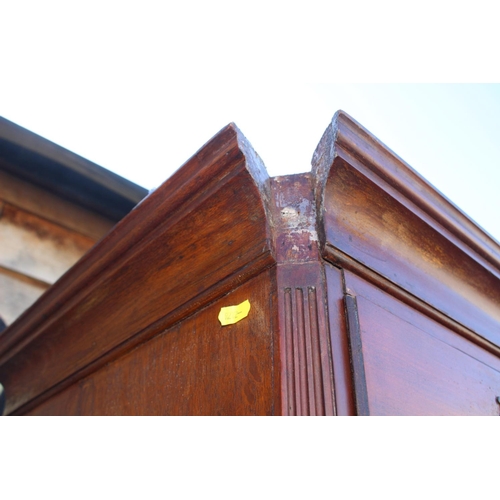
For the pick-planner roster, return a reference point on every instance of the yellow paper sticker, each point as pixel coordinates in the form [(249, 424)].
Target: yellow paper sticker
[(233, 314)]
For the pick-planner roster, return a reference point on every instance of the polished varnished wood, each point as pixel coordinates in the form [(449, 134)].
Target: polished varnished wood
[(370, 293), (392, 235), (175, 252), (356, 356), (377, 212), (416, 366), (196, 367), (339, 341)]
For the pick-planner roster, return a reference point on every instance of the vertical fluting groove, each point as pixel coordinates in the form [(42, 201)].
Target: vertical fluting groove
[(301, 360), (309, 362), (289, 353), (316, 352), (295, 362), (307, 375)]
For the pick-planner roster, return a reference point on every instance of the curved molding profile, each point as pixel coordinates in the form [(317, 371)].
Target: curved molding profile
[(220, 221), (375, 212), (174, 253)]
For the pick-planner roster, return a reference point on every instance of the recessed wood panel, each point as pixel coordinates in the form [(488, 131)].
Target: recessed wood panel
[(370, 293), (371, 226), (378, 213), (415, 366), (197, 367)]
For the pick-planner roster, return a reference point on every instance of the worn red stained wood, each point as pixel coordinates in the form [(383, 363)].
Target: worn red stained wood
[(416, 366), (196, 367), (307, 380), (375, 211), (362, 249), (305, 349), (176, 251), (356, 356), (344, 390)]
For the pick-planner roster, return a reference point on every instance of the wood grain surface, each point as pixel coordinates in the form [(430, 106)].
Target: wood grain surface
[(306, 365), (196, 367), (339, 341), (174, 253), (415, 366), (370, 293), (377, 211)]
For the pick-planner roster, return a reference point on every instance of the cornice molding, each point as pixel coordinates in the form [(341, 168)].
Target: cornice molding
[(345, 137), (374, 208), (218, 221), (180, 249)]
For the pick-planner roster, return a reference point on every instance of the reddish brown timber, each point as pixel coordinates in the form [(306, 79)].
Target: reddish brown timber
[(376, 210), (369, 291), (414, 365), (177, 251), (356, 353), (195, 367), (306, 368)]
